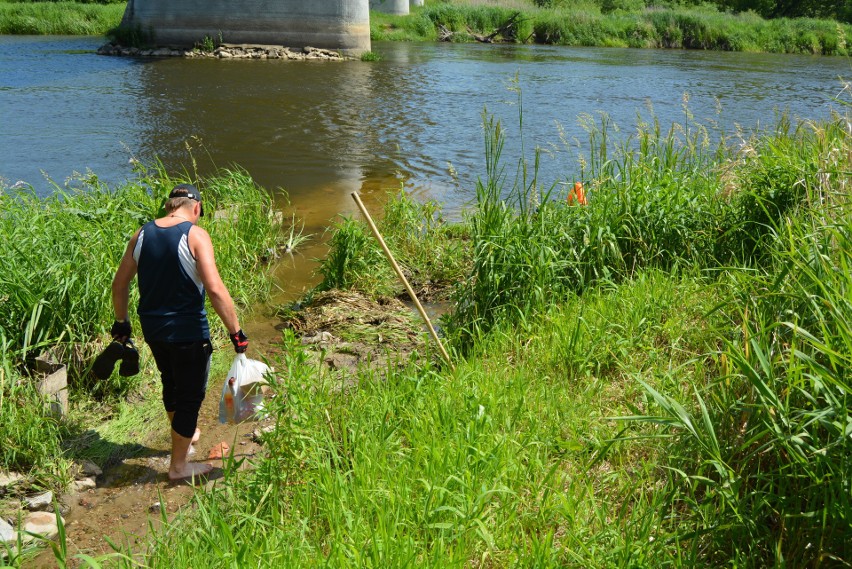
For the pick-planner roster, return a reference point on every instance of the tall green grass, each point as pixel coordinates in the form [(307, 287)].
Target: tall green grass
[(431, 252), (659, 378), (30, 435), (59, 18), (56, 268), (657, 199), (761, 452), (680, 411), (47, 299), (508, 462), (584, 24), (738, 430)]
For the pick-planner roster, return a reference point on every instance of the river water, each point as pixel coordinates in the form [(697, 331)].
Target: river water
[(318, 131)]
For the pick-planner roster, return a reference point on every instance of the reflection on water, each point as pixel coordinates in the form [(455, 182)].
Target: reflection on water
[(318, 131), (293, 128)]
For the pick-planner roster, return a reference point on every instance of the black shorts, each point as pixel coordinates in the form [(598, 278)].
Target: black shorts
[(184, 368)]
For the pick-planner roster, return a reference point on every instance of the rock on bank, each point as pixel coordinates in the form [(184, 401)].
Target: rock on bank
[(227, 51)]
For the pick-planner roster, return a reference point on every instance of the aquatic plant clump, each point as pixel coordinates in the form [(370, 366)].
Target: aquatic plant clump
[(433, 253)]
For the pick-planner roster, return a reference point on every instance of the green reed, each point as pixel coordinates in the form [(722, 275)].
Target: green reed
[(59, 18), (647, 208), (662, 199), (55, 275), (56, 282), (57, 269), (30, 435), (585, 24), (429, 250), (761, 453), (775, 175), (509, 461), (760, 458)]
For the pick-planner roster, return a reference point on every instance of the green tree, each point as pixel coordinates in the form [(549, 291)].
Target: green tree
[(837, 9)]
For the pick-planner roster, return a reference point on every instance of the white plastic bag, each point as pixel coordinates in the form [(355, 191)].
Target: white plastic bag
[(242, 394)]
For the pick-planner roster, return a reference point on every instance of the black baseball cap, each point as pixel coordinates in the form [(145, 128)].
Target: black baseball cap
[(187, 191)]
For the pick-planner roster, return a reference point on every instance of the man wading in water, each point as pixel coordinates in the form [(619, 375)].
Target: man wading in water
[(174, 260)]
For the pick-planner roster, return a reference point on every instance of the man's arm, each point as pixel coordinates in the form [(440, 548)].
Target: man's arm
[(121, 282), (201, 248)]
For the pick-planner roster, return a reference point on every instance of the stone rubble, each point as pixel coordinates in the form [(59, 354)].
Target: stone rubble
[(257, 434), (83, 484), (44, 524), (42, 519), (7, 533), (318, 338), (8, 480), (39, 503), (229, 51), (89, 469)]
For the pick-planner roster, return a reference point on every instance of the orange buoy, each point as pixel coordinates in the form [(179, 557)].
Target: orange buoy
[(577, 195)]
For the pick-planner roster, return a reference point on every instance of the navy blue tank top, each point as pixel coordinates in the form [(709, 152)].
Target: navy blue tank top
[(171, 295)]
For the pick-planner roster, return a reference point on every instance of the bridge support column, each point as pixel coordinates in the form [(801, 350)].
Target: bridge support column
[(342, 25)]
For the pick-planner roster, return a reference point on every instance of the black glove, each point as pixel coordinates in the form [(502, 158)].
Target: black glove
[(120, 330), (240, 341)]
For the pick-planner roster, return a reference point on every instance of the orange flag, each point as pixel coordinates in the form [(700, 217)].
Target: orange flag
[(577, 195)]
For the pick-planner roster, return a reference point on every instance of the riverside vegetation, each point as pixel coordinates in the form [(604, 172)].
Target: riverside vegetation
[(678, 24), (658, 378), (59, 18), (55, 275), (663, 25)]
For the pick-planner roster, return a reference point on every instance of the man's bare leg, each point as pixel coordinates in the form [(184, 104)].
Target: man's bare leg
[(195, 437), (180, 467)]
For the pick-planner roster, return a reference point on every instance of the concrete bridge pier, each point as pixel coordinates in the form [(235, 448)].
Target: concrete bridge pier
[(396, 7), (342, 25), (416, 3)]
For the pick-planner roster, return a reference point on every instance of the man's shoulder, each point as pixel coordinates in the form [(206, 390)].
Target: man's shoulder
[(196, 231), (136, 234), (199, 238)]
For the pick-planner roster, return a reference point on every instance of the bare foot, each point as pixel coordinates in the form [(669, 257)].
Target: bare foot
[(192, 469)]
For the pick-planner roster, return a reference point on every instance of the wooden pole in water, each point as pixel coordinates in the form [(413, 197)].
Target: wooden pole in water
[(396, 268)]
